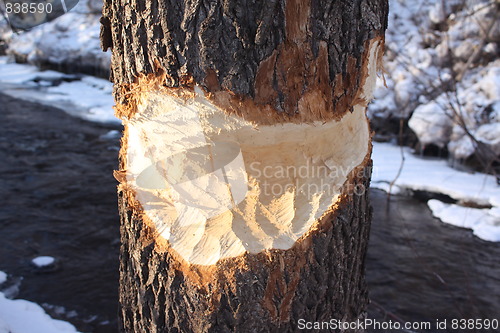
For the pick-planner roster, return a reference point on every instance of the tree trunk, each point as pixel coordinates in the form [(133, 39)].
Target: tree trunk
[(245, 160)]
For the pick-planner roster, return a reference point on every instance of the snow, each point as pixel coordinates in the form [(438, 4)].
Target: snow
[(436, 176), (18, 73), (431, 124), (111, 135), (90, 94), (43, 261), (21, 316), (72, 38), (483, 222), (432, 175), (426, 42), (88, 98)]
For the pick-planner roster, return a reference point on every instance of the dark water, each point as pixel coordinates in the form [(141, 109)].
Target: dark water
[(419, 269), (58, 199)]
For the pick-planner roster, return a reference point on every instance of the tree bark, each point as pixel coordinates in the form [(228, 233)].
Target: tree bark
[(271, 64)]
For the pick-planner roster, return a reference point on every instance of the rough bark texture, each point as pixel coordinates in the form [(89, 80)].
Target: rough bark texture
[(272, 52), (225, 44)]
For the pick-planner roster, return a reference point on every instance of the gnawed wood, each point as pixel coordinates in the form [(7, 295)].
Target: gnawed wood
[(294, 172)]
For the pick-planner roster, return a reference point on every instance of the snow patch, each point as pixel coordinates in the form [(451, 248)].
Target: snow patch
[(21, 316), (86, 97), (483, 222), (3, 277), (16, 73), (431, 175), (436, 176), (431, 124), (43, 261), (111, 135), (90, 94)]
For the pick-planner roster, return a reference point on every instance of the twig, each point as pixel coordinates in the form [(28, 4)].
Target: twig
[(391, 184)]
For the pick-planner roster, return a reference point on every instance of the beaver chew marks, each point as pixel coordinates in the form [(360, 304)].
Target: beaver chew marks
[(216, 185)]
